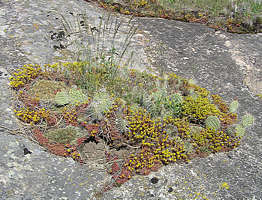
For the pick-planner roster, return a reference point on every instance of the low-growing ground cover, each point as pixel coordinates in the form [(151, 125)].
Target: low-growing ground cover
[(233, 16), (132, 122)]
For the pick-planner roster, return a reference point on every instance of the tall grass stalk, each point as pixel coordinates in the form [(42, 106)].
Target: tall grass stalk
[(101, 41)]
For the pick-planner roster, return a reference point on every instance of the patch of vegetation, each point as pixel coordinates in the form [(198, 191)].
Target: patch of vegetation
[(242, 16), (143, 121), (67, 135), (160, 122)]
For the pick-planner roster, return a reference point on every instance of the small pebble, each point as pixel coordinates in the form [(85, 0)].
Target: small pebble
[(154, 180), (170, 189), (26, 151)]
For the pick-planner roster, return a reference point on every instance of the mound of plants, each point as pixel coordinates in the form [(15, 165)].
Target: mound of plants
[(229, 15), (143, 121)]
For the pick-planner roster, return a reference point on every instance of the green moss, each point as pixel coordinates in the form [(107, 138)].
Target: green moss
[(67, 135), (46, 89)]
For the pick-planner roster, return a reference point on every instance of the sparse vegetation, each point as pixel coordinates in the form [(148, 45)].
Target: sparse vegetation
[(236, 16)]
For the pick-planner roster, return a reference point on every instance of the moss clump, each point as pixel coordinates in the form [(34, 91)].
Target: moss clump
[(46, 89), (67, 135)]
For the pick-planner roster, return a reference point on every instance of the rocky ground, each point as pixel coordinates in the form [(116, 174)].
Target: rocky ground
[(224, 63)]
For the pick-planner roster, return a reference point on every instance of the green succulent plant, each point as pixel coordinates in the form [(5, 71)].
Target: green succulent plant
[(73, 96), (154, 103), (195, 130), (173, 104), (121, 124), (240, 130), (205, 149), (247, 120), (62, 98), (188, 147), (177, 98), (233, 106), (213, 122), (231, 130), (101, 103)]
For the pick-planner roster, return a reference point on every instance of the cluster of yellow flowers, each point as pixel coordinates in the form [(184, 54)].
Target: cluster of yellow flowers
[(138, 3), (203, 92), (70, 116), (215, 140), (199, 108), (156, 145), (32, 116), (182, 127), (71, 152), (157, 141), (24, 75)]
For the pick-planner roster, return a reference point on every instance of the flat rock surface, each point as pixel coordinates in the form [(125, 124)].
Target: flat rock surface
[(226, 64)]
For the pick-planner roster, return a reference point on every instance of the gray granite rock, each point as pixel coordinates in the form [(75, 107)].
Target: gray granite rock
[(218, 61)]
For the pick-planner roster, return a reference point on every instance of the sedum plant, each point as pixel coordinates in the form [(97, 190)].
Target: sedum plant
[(240, 129), (173, 104)]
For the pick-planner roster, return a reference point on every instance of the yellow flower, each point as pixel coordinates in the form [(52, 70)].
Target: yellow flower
[(225, 185)]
